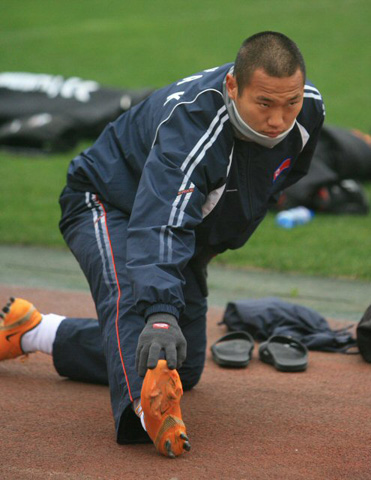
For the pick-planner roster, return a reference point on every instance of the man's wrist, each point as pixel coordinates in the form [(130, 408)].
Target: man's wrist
[(162, 318), (163, 308)]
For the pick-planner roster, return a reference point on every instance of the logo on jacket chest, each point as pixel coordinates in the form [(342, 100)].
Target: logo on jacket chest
[(284, 166)]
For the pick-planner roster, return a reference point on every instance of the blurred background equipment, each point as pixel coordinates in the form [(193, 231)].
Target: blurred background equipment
[(294, 216), (42, 113), (341, 160)]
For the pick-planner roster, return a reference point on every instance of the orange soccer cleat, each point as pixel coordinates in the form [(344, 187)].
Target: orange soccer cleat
[(160, 400), (17, 318)]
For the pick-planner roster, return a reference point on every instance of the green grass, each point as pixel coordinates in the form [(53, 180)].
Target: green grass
[(143, 43), (337, 246), (30, 195)]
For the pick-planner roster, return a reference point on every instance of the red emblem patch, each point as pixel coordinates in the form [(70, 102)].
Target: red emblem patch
[(188, 190), (284, 165), (160, 325)]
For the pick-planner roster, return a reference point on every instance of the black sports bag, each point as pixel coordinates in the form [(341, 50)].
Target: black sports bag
[(364, 335), (50, 113)]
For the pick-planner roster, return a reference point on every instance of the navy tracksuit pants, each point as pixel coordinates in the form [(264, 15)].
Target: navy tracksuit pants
[(104, 351)]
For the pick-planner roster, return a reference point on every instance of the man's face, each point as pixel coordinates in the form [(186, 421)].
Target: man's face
[(269, 105)]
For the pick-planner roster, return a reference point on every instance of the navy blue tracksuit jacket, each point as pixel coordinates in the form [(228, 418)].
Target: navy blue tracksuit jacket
[(173, 165)]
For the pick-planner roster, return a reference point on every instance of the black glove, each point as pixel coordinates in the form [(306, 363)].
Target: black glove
[(161, 332)]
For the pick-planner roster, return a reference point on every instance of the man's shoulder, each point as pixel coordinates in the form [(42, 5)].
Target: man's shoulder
[(194, 89), (313, 109), (208, 78), (313, 99), (195, 102)]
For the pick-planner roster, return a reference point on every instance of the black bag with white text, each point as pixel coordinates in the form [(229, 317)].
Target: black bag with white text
[(51, 113)]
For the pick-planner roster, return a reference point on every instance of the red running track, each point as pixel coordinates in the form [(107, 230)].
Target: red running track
[(253, 424)]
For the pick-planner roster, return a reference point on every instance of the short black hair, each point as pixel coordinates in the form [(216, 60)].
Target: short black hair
[(275, 53)]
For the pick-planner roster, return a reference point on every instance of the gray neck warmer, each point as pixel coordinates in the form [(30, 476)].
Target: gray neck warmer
[(242, 129)]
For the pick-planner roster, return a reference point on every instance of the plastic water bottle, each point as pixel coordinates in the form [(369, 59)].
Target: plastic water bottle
[(294, 217)]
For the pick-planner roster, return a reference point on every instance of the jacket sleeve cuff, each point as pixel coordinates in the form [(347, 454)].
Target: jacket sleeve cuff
[(161, 308)]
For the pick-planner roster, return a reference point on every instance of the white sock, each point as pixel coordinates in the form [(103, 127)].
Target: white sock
[(41, 338), (139, 411)]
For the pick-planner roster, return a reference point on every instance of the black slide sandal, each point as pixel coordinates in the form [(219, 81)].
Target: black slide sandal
[(285, 353), (233, 349)]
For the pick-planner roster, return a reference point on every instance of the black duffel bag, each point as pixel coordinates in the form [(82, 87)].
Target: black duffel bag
[(50, 113), (364, 335)]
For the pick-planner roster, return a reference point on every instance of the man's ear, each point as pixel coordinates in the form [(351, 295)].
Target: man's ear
[(231, 84)]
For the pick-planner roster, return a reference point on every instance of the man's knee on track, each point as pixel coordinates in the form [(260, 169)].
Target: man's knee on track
[(190, 376)]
